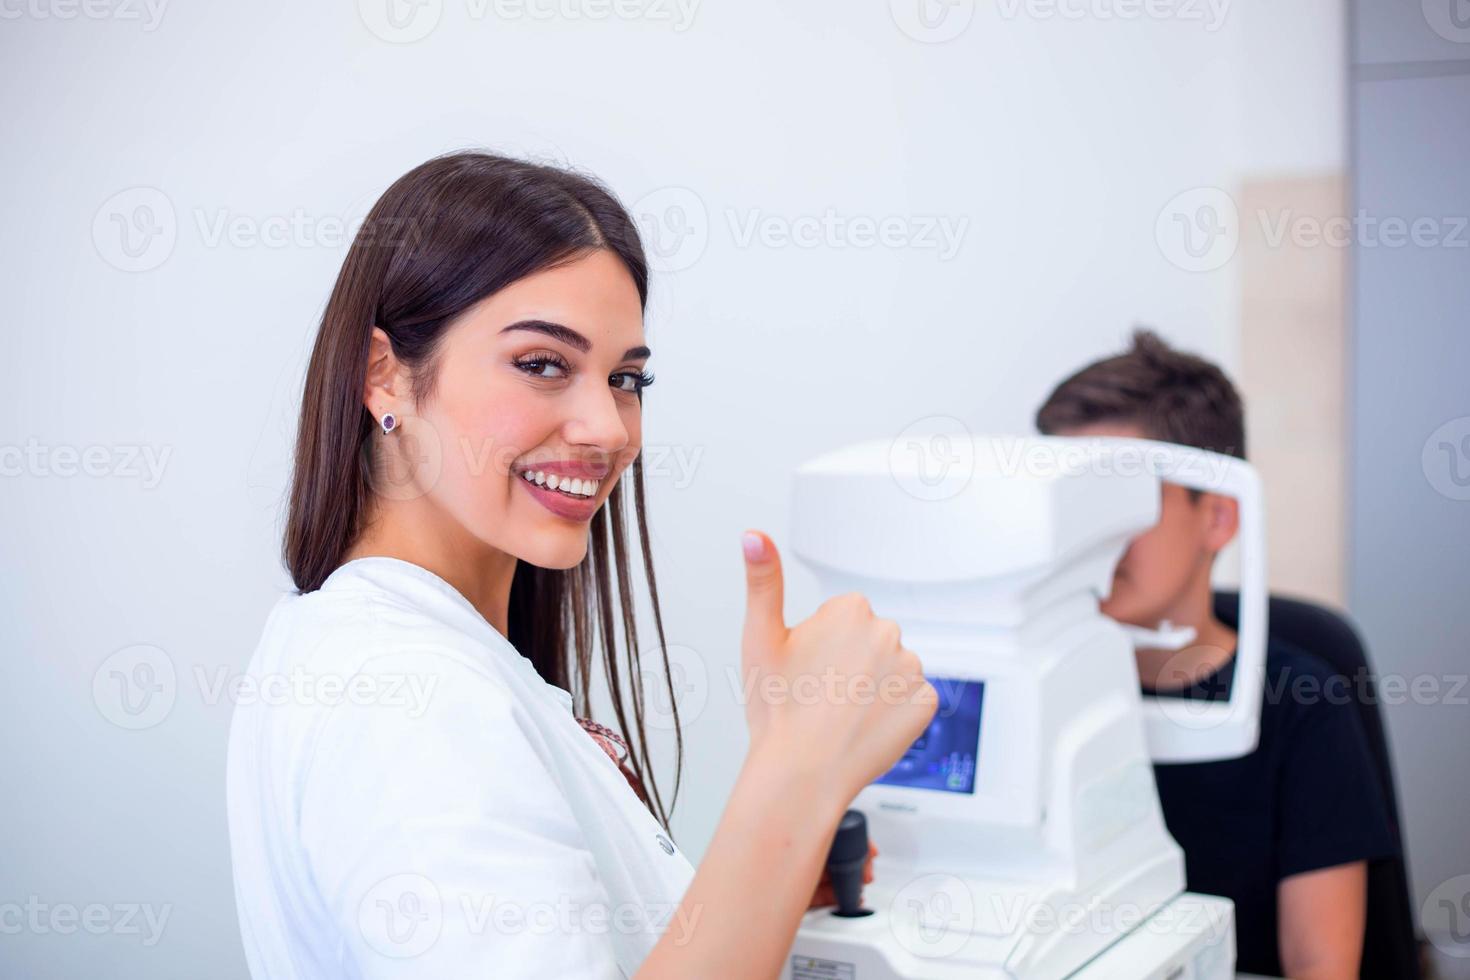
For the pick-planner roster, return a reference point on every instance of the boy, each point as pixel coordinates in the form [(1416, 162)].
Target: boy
[(1286, 831)]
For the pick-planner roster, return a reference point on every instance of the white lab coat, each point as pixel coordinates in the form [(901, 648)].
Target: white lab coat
[(408, 798)]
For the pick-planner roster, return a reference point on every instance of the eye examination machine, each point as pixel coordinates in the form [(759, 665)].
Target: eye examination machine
[(1021, 836)]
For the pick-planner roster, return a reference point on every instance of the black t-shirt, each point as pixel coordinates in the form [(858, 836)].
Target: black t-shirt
[(1308, 797)]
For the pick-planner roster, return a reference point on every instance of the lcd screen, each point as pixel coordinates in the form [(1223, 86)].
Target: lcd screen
[(943, 758)]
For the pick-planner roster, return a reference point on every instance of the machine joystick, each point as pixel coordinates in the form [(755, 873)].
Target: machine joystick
[(845, 863)]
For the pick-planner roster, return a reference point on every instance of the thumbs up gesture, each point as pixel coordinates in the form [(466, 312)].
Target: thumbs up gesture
[(838, 691)]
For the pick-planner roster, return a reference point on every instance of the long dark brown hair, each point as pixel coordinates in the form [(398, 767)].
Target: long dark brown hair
[(446, 235)]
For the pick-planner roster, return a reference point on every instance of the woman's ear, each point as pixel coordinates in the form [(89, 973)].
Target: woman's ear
[(379, 391), (1223, 521)]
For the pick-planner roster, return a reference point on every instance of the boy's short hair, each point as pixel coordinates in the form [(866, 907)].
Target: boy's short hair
[(1170, 395)]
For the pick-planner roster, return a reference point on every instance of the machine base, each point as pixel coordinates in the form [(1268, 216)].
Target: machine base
[(1190, 938)]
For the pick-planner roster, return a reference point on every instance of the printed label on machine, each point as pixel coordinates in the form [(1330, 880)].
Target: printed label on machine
[(807, 968)]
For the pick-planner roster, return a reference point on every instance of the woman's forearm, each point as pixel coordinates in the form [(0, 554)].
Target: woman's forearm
[(807, 761), (746, 900)]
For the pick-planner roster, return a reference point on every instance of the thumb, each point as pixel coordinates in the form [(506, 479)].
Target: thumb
[(765, 622)]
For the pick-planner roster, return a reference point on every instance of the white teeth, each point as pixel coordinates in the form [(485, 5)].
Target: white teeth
[(566, 484)]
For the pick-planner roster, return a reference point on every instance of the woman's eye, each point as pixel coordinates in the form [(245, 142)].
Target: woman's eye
[(631, 381), (543, 367)]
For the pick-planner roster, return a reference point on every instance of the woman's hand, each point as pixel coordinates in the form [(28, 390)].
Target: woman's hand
[(832, 703), (837, 694)]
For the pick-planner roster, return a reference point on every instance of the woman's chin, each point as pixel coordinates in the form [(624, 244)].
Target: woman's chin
[(556, 556)]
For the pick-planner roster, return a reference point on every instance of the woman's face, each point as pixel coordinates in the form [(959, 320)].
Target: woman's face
[(537, 387)]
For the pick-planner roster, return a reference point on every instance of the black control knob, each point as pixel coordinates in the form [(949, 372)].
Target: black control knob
[(845, 863)]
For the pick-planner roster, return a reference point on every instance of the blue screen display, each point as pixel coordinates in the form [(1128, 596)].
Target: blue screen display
[(943, 758)]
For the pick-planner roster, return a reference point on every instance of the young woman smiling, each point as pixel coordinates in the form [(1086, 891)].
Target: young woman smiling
[(466, 464)]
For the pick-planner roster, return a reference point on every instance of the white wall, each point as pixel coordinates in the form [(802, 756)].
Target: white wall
[(1293, 110), (1054, 143)]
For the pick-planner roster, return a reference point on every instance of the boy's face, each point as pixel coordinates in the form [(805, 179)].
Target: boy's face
[(1165, 573)]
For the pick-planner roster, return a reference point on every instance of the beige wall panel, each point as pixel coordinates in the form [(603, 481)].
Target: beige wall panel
[(1292, 375)]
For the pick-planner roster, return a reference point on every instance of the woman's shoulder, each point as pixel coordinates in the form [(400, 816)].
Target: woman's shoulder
[(345, 627), (382, 654), (341, 671), (353, 636)]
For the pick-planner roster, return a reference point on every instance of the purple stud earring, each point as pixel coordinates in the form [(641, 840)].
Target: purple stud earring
[(388, 423)]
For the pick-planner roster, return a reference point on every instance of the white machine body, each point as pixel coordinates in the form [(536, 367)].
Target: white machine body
[(1021, 836)]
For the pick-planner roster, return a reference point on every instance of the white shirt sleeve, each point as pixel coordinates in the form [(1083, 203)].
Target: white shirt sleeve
[(440, 842)]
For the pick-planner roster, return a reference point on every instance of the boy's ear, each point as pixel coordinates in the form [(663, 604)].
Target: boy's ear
[(1222, 515)]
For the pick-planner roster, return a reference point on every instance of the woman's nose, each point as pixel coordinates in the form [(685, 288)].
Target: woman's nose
[(597, 420)]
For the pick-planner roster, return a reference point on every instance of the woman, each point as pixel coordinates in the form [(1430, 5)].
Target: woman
[(425, 801)]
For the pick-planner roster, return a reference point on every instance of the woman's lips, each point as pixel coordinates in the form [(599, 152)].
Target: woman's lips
[(561, 504)]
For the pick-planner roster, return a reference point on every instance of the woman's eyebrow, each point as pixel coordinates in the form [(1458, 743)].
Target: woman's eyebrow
[(570, 337), (564, 334)]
